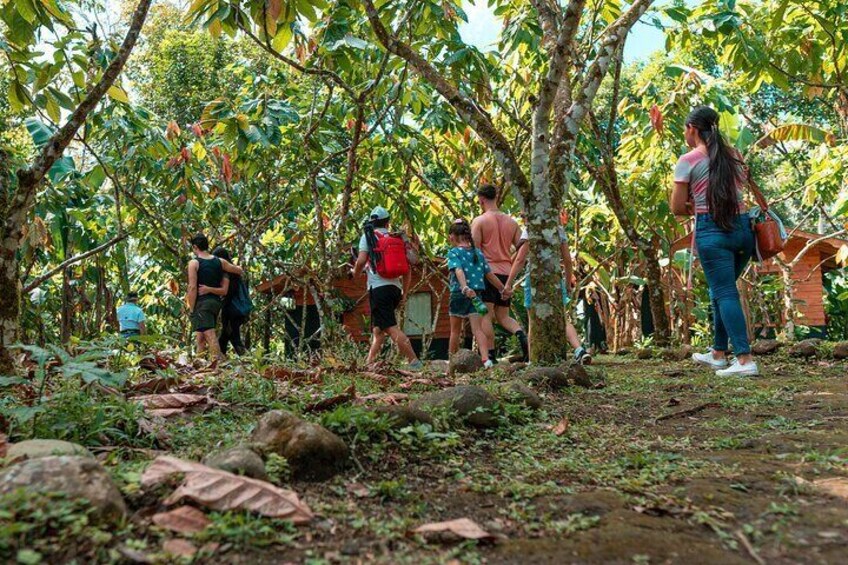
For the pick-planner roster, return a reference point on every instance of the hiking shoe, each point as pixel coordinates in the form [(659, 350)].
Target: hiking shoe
[(416, 365), (708, 360), (739, 370), (488, 364), (582, 357)]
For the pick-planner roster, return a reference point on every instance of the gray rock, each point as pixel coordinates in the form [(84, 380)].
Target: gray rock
[(553, 378), (556, 378), (313, 452), (765, 346), (520, 392), (78, 477), (805, 348), (677, 353), (439, 366), (470, 402), (403, 416), (239, 460), (840, 350), (37, 448), (464, 362)]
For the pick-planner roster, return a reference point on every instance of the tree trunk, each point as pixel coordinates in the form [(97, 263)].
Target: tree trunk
[(656, 296), (788, 302)]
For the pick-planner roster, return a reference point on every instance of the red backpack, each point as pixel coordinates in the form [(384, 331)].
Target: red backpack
[(391, 256)]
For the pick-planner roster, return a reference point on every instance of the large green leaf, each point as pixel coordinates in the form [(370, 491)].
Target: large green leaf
[(796, 132)]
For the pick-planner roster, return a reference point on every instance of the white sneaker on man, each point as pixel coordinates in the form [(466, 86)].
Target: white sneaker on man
[(708, 360), (749, 369)]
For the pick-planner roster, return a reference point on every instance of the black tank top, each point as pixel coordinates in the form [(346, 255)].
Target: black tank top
[(209, 273)]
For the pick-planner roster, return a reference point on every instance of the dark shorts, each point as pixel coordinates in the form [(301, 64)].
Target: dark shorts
[(492, 295), (461, 306), (205, 314), (384, 301)]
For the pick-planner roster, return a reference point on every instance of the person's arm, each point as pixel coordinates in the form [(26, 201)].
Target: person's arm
[(496, 282), (191, 296), (361, 261), (216, 290), (680, 204), (230, 268), (517, 264), (567, 266), (476, 233), (463, 283)]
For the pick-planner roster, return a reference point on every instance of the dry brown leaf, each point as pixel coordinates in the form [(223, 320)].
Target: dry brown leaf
[(183, 520), (220, 490), (291, 375), (377, 377), (358, 490), (181, 547), (462, 527), (155, 385), (391, 398), (327, 403), (834, 486), (562, 426), (175, 400)]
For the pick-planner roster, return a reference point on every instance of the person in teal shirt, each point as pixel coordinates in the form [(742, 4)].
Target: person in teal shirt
[(131, 317)]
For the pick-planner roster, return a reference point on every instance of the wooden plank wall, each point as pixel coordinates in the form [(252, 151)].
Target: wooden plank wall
[(808, 287)]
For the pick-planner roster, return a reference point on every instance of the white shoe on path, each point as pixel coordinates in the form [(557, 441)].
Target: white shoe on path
[(708, 360), (749, 369)]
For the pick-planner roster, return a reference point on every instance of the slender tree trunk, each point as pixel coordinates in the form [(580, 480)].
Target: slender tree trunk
[(788, 302)]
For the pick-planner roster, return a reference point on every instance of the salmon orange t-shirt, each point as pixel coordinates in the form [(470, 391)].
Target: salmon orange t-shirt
[(497, 232)]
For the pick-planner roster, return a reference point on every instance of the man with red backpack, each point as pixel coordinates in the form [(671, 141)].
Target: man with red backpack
[(385, 257)]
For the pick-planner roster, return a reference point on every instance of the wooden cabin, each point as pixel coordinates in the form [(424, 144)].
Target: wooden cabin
[(818, 257), (424, 319)]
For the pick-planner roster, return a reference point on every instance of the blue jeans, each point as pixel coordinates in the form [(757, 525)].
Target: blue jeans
[(724, 255)]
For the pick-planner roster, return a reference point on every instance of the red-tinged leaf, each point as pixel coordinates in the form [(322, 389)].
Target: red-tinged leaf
[(172, 130), (183, 520), (179, 547), (561, 427), (327, 403), (220, 490), (291, 375), (174, 287), (377, 377), (656, 118), (216, 151), (275, 7), (197, 129), (186, 154), (462, 527), (226, 168)]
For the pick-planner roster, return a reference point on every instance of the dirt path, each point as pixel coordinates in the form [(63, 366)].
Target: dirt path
[(667, 464)]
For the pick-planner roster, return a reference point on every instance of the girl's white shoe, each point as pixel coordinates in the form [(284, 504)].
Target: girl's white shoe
[(739, 370), (708, 360)]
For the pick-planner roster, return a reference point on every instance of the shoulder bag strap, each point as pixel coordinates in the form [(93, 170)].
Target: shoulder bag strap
[(758, 196)]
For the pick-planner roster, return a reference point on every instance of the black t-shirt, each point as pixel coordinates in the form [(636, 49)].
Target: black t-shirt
[(209, 273)]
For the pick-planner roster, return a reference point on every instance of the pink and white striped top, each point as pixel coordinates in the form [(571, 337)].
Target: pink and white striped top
[(693, 168)]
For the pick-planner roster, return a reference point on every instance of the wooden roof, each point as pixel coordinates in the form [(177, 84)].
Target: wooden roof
[(829, 245)]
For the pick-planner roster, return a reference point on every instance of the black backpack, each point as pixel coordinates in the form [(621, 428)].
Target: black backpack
[(241, 304)]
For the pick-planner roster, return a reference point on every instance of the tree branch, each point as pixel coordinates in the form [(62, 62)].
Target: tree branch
[(75, 259)]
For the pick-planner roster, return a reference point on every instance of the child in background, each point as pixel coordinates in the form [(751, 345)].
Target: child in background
[(468, 271)]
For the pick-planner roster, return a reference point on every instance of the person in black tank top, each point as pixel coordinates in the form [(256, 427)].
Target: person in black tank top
[(206, 285)]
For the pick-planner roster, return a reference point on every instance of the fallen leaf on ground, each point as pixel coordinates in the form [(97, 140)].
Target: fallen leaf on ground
[(561, 427), (462, 527), (154, 427), (358, 490), (291, 375), (327, 403), (154, 363), (169, 401), (377, 377), (183, 520), (438, 382), (383, 398), (181, 547), (834, 486), (220, 490), (153, 386)]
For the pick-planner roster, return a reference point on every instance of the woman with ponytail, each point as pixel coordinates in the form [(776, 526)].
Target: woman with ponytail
[(708, 182)]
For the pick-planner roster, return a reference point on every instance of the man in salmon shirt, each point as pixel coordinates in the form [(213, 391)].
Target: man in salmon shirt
[(497, 234)]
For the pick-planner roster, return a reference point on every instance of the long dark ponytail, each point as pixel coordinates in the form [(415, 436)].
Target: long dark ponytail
[(727, 171), (462, 229)]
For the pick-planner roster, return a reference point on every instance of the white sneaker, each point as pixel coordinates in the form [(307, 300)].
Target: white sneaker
[(488, 364), (708, 360), (739, 370)]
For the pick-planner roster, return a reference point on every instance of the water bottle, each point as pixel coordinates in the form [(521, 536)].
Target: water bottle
[(479, 306)]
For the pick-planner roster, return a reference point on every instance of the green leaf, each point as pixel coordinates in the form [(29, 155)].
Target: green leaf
[(12, 381), (40, 132), (28, 557), (117, 93), (796, 132), (283, 38)]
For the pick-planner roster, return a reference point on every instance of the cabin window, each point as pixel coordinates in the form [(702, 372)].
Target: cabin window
[(419, 314)]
